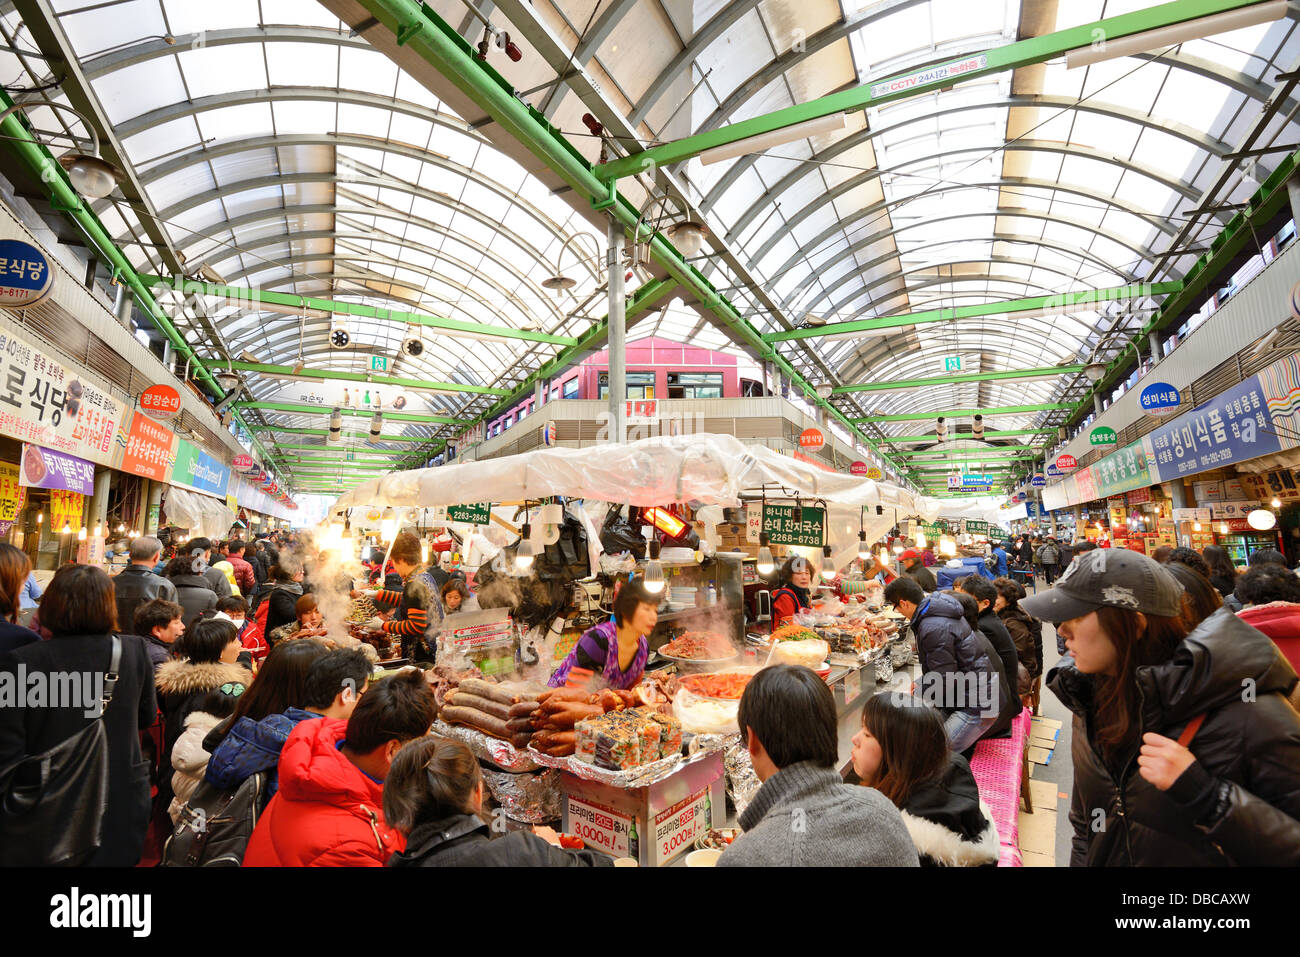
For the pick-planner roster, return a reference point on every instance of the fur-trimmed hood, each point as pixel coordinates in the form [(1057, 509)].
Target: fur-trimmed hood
[(184, 678), (936, 844)]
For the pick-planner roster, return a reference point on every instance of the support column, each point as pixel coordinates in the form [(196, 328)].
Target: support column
[(122, 306), (1154, 340), (539, 394), (617, 331), (1096, 403), (99, 502), (150, 519)]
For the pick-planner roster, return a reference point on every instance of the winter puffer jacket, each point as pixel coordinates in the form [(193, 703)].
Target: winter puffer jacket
[(946, 645), (189, 759), (181, 688), (464, 841), (251, 746), (949, 824), (1239, 803), (328, 812)]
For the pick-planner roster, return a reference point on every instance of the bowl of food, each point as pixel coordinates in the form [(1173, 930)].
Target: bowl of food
[(700, 649), (717, 838)]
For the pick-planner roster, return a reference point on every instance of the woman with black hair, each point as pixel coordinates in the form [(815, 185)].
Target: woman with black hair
[(794, 591), (1173, 764), (1200, 596), (1026, 633), (434, 796), (902, 752), (615, 650), (1223, 574)]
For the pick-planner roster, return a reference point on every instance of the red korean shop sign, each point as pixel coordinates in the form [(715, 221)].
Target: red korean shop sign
[(811, 439), (148, 449), (858, 468), (160, 402), (1066, 463)]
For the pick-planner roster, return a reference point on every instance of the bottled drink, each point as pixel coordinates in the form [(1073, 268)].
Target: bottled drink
[(633, 842)]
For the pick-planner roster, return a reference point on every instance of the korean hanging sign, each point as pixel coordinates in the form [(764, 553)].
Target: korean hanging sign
[(794, 525)]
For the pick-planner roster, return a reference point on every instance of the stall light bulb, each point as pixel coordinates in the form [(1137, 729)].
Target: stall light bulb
[(121, 529), (864, 550), (1223, 528), (67, 529), (527, 550), (1276, 503), (920, 539), (828, 564), (1196, 526), (424, 553), (388, 527), (898, 549), (766, 564), (40, 517), (884, 556), (81, 534), (654, 571)]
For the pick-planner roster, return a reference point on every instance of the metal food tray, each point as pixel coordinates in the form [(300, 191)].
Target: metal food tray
[(640, 776), (501, 753), (698, 661)]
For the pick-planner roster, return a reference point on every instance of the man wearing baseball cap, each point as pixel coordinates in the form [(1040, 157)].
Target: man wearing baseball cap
[(1185, 749), (914, 568)]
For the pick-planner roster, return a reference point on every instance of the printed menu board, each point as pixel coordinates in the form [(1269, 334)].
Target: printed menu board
[(148, 448)]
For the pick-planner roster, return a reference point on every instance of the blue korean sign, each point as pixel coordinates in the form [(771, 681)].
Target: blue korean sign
[(1039, 480), (1053, 471), (25, 276), (1159, 398), (1232, 427)]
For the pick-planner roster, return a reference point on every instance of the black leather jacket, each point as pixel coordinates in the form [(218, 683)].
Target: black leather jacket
[(132, 587), (1239, 804), (462, 841)]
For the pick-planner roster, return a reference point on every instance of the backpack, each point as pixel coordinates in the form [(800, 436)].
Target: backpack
[(215, 825)]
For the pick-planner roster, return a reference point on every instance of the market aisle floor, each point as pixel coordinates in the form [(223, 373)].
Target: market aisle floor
[(1060, 771)]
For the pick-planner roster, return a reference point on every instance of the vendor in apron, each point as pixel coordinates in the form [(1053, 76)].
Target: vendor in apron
[(419, 609), (616, 650), (794, 593)]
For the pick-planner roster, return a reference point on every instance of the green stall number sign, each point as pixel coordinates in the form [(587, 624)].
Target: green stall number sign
[(977, 528), (794, 525), (1103, 436), (478, 513)]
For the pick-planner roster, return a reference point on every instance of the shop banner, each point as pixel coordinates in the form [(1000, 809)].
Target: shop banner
[(42, 468), (12, 496), (50, 405), (147, 449), (196, 469), (25, 274), (977, 528), (1192, 514), (472, 514), (1139, 496), (1283, 484), (676, 828), (1159, 398), (1232, 427), (1121, 471), (1220, 510), (65, 509), (794, 525)]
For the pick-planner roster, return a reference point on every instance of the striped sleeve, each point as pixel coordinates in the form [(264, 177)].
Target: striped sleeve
[(388, 597), (417, 619)]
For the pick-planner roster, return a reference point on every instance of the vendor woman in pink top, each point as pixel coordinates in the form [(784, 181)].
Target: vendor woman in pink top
[(616, 650)]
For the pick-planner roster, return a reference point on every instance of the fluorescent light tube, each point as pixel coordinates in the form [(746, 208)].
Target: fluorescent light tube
[(766, 141), (1178, 33)]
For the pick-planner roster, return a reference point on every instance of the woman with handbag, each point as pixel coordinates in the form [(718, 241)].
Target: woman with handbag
[(92, 807)]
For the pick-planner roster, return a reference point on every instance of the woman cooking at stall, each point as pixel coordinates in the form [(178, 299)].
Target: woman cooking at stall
[(419, 609), (793, 594), (616, 650)]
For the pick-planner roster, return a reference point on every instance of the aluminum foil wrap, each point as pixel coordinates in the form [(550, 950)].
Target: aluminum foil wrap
[(501, 753), (532, 797), (711, 742), (742, 782), (640, 776)]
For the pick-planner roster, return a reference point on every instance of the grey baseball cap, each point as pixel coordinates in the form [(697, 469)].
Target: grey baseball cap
[(1117, 577)]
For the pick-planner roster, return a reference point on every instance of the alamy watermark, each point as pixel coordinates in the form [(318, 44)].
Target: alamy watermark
[(21, 688)]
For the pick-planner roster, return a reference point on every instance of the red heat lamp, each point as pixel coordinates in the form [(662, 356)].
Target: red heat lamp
[(592, 124), (665, 521), (512, 51)]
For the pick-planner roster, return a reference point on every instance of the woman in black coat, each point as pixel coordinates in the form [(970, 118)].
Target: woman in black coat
[(80, 611), (282, 598), (986, 596), (434, 793), (192, 589), (1186, 752)]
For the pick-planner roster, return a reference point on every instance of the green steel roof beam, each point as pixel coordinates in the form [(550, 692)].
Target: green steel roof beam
[(252, 299), (65, 198), (1045, 372), (302, 409), (426, 385), (1062, 303), (1000, 59), (966, 413), (351, 435), (420, 29), (993, 434)]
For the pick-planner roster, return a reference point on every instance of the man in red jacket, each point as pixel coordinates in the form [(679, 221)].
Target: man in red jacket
[(328, 811), (245, 577)]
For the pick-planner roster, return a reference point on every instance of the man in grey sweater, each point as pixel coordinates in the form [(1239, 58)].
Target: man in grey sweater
[(804, 815)]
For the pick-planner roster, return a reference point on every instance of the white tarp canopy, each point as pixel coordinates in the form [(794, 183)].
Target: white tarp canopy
[(707, 469), (201, 514)]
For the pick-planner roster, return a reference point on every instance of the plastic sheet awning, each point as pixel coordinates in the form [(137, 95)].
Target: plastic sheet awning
[(201, 514)]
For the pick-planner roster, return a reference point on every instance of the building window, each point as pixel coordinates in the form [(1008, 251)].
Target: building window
[(640, 385), (510, 420), (571, 388), (695, 385)]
